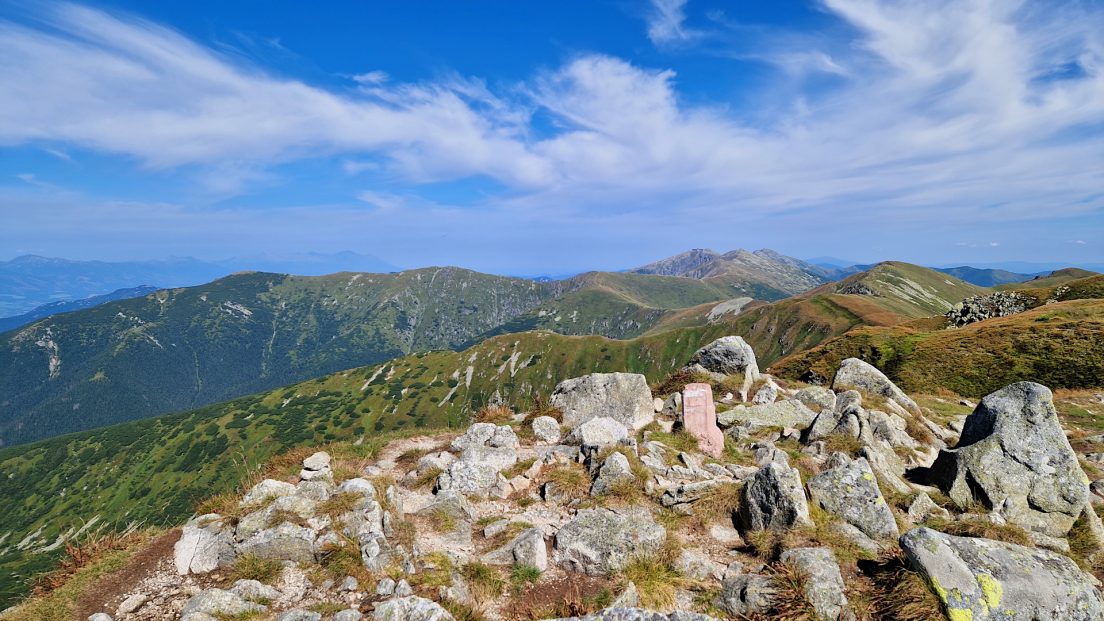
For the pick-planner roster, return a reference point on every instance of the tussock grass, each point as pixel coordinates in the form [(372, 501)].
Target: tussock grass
[(338, 505), (343, 560), (720, 503), (461, 611), (655, 579), (403, 532), (497, 414), (898, 592), (427, 477), (983, 528), (484, 581), (838, 442), (252, 567), (570, 480)]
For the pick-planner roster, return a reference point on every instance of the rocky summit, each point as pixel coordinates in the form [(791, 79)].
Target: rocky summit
[(728, 494)]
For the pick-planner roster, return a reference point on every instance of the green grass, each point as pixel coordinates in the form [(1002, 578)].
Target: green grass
[(255, 568)]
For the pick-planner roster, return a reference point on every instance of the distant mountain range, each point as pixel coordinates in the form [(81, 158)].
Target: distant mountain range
[(30, 281), (54, 308), (767, 274)]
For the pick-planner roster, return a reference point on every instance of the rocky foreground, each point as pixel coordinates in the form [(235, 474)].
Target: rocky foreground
[(726, 495)]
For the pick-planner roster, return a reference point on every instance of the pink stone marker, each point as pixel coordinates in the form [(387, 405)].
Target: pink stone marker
[(699, 418)]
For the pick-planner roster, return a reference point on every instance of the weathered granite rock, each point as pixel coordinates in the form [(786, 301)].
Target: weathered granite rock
[(298, 614), (597, 433), (625, 397), (255, 591), (615, 469), (850, 491), (529, 549), (546, 430), (728, 355), (601, 541), (774, 499), (980, 307), (350, 614), (217, 602), (100, 616), (265, 490), (639, 614), (285, 542), (767, 393), (786, 413), (817, 398), (1014, 458), (980, 579), (411, 608), (858, 375), (205, 544), (823, 583), (746, 594), (699, 418), (468, 477)]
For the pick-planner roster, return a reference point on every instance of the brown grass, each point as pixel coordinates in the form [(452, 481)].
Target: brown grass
[(497, 414), (251, 567), (720, 503), (570, 480), (983, 528), (84, 553), (897, 592)]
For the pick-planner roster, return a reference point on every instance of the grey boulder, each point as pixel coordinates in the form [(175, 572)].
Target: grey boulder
[(728, 355), (981, 579), (411, 608), (774, 499), (850, 492), (601, 541), (217, 602), (858, 375), (1014, 458), (625, 397), (820, 575)]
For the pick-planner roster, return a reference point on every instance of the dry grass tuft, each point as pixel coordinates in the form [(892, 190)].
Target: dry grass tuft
[(720, 503), (983, 528), (497, 414), (900, 593), (82, 554), (572, 481), (844, 444), (484, 581), (655, 580), (251, 567)]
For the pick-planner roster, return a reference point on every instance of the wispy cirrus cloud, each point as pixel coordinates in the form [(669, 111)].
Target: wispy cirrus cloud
[(950, 112)]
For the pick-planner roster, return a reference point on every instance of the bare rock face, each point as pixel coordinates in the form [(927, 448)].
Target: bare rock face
[(1014, 458), (205, 543), (856, 374), (699, 418), (728, 355), (601, 541), (774, 498), (850, 491), (823, 583), (411, 608), (625, 397), (982, 579), (981, 307)]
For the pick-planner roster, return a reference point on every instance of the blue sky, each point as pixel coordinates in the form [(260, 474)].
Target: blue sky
[(553, 136)]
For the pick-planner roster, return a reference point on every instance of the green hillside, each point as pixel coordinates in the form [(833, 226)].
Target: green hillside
[(1060, 345), (184, 348), (1054, 279), (908, 290)]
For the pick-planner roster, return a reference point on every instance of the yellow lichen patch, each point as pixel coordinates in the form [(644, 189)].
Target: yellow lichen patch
[(868, 476), (991, 589), (939, 590), (960, 614)]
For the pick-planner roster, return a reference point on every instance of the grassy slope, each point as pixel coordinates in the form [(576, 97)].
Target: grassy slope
[(1055, 278), (183, 348), (1060, 345), (154, 470)]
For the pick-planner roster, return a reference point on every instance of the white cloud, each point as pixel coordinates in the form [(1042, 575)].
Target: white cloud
[(371, 78), (942, 113), (666, 22)]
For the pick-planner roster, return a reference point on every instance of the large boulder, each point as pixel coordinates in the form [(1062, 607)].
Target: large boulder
[(820, 575), (602, 541), (774, 499), (206, 542), (1014, 458), (218, 603), (850, 492), (744, 595), (854, 374), (788, 413), (614, 470), (285, 542), (981, 579), (546, 430), (469, 477), (624, 397), (598, 433), (728, 355)]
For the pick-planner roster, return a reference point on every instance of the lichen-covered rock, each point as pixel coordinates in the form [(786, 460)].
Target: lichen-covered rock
[(728, 355), (615, 469), (850, 491), (349, 614), (255, 591), (265, 490), (486, 434), (298, 614), (601, 541), (285, 542), (597, 433), (817, 398), (980, 579), (774, 499), (767, 393), (820, 575), (217, 602), (625, 397), (858, 375), (1014, 458), (546, 430), (980, 307), (468, 477), (205, 543), (786, 413), (411, 608), (746, 594), (529, 549)]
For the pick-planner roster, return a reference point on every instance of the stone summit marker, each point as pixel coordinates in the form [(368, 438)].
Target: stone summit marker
[(699, 417)]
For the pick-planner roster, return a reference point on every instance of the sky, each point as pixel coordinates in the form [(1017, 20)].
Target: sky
[(552, 136)]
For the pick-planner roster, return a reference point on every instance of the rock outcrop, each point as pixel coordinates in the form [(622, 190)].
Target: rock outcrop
[(859, 375), (1014, 459), (728, 356), (601, 541), (981, 579), (774, 499), (625, 397)]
